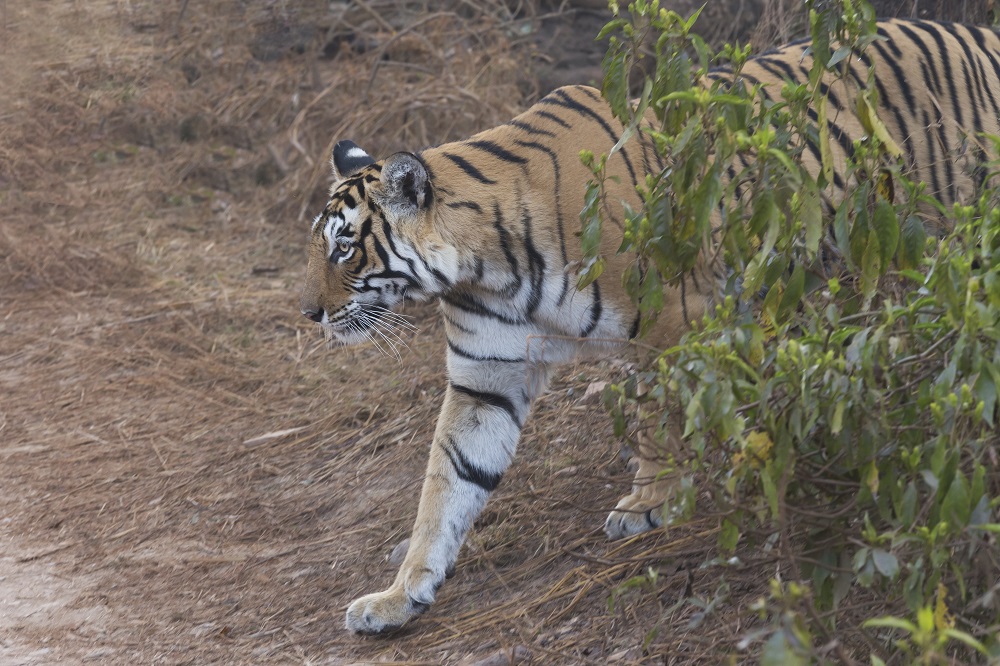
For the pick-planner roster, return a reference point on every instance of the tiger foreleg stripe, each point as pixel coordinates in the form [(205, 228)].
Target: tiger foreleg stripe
[(468, 471), (491, 399)]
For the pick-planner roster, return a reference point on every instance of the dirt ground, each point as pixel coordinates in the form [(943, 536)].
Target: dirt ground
[(187, 474)]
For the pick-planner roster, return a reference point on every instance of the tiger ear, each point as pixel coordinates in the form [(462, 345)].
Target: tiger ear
[(348, 159), (406, 184)]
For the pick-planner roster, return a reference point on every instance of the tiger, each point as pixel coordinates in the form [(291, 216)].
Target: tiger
[(488, 227)]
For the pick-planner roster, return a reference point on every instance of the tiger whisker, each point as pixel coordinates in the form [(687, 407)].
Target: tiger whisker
[(388, 328), (370, 322), (366, 334), (401, 320)]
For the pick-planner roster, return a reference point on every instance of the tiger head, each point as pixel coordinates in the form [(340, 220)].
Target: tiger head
[(364, 254)]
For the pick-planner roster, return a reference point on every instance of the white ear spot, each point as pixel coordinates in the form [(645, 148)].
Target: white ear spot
[(348, 159)]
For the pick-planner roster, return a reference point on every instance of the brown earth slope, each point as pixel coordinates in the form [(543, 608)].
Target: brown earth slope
[(187, 476)]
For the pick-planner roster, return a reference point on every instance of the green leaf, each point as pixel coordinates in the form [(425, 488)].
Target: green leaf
[(886, 227), (729, 536), (913, 238), (908, 508), (778, 652), (842, 232), (955, 507), (886, 563), (615, 85), (631, 279), (826, 157), (986, 391), (871, 266), (837, 422), (837, 56), (707, 200), (890, 622), (592, 269), (868, 115), (651, 293), (793, 293), (820, 44), (963, 637), (811, 212), (610, 27)]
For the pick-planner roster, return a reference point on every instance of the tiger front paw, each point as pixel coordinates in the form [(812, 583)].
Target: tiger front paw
[(634, 514), (385, 611)]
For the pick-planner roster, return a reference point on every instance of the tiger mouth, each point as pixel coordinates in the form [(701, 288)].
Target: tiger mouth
[(380, 326), (346, 331)]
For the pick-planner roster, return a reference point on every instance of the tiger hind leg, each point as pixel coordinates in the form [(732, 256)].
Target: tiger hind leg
[(643, 509)]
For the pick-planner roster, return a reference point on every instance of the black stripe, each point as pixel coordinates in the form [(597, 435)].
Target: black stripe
[(987, 52), (470, 304), (946, 66), (888, 41), (935, 181), (634, 330), (554, 118), (978, 65), (824, 89), (754, 81), (497, 151), (595, 312), (388, 233), (469, 170), (514, 286), (838, 133), (472, 205), (777, 68), (365, 232), (530, 129), (388, 273), (901, 78), (560, 228), (971, 75), (451, 322), (492, 399), (536, 263), (890, 103), (458, 351), (561, 98), (467, 471), (931, 75)]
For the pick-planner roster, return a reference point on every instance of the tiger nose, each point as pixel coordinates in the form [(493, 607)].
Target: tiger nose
[(314, 314)]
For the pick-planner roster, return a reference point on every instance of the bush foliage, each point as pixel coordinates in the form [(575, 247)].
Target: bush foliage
[(846, 421)]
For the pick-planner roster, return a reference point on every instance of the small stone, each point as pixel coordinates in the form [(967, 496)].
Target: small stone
[(629, 654), (395, 558), (594, 392), (508, 657)]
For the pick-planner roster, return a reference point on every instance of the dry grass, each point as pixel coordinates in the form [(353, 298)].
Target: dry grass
[(186, 474)]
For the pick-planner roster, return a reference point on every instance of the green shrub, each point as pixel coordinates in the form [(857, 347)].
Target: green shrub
[(851, 420)]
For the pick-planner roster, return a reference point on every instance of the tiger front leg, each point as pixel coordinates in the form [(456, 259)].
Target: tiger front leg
[(474, 443)]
